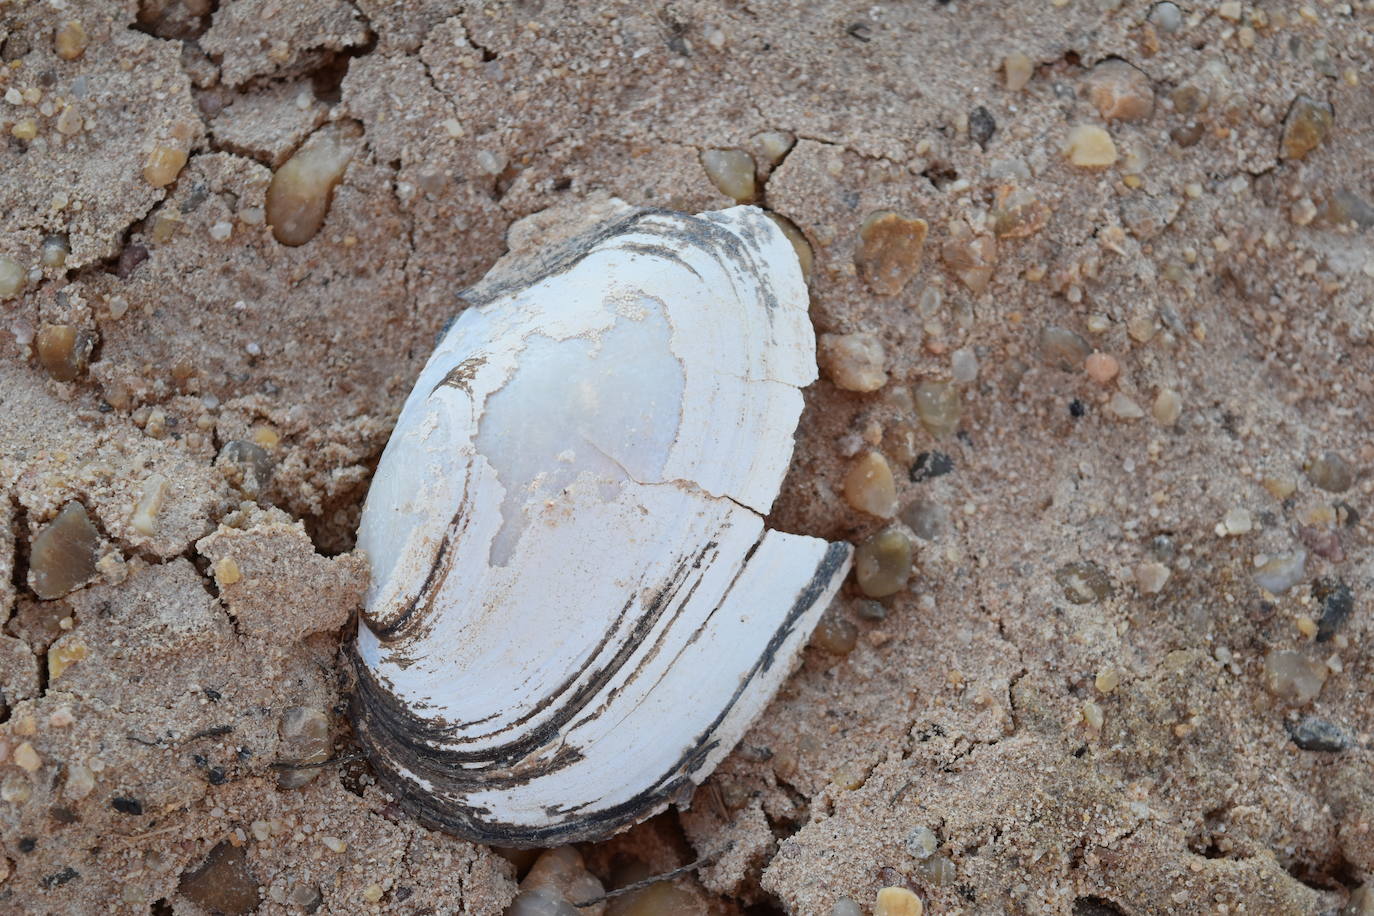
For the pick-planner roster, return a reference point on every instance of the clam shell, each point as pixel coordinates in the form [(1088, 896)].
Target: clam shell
[(575, 609)]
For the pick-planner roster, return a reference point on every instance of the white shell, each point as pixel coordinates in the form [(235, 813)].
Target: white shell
[(575, 610)]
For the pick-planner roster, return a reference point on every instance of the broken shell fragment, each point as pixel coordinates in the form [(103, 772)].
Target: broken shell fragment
[(575, 610)]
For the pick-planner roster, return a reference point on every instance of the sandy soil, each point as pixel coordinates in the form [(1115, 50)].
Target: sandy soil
[(1117, 746)]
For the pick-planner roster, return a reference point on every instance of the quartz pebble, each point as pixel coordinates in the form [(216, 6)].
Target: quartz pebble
[(846, 906), (1361, 902), (151, 496), (1083, 582), (1151, 576), (938, 870), (938, 406), (889, 251), (70, 40), (1167, 407), (1293, 677), (1107, 680), (1331, 472), (921, 842), (870, 610), (1123, 408), (1063, 349), (305, 739), (54, 251), (1120, 91), (775, 145), (299, 195), (1018, 213), (1306, 127), (63, 350), (64, 553), (963, 365), (13, 278), (882, 563), (1236, 521), (1017, 70), (556, 881), (1090, 147), (664, 898), (732, 172), (223, 884), (1280, 573), (1101, 368), (163, 165), (869, 487), (26, 758), (835, 633), (970, 256), (854, 362), (927, 519), (246, 465), (897, 901), (1167, 17)]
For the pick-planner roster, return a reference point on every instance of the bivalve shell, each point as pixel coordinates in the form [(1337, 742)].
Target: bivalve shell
[(575, 609)]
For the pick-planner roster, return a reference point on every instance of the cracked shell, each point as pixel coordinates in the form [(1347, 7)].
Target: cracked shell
[(575, 609)]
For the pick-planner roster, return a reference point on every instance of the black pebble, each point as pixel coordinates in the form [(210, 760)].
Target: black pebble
[(930, 465), (27, 844), (981, 126), (126, 805), (1338, 601), (59, 878), (1317, 734), (1076, 408)]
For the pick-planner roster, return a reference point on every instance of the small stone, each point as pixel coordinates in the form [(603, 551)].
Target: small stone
[(662, 899), (981, 126), (930, 465), (835, 633), (305, 896), (775, 145), (854, 362), (1063, 349), (125, 805), (333, 843), (963, 365), (1107, 680), (54, 251), (1167, 407), (938, 406), (732, 172), (846, 906), (897, 901), (1090, 147), (26, 758), (1331, 472), (1293, 677), (1280, 487), (1313, 733), (70, 40), (969, 256), (221, 230), (299, 195), (869, 487), (889, 251), (62, 655), (163, 165), (1151, 576), (1281, 573), (1306, 127), (921, 842), (1123, 408), (1083, 582), (13, 278), (870, 610), (1120, 91), (938, 870), (15, 789), (560, 875), (80, 782), (223, 883), (305, 740), (1018, 213), (373, 893), (1237, 521), (63, 555), (246, 465), (1017, 70), (882, 563), (1093, 716), (1338, 604), (926, 519), (227, 572), (63, 350), (151, 496), (1101, 367), (805, 255)]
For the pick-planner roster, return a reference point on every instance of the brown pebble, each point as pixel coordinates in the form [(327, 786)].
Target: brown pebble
[(889, 251), (662, 899), (1101, 367), (1018, 213), (732, 171), (13, 278), (1083, 582), (1063, 349), (1017, 70), (869, 487), (63, 350), (64, 553), (1306, 127), (1120, 91), (1090, 147), (70, 40), (1293, 677), (969, 256), (163, 165), (939, 407), (835, 633), (223, 884), (854, 362), (882, 563), (302, 187), (1331, 472)]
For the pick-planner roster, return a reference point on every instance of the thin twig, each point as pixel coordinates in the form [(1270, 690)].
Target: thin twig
[(649, 882), (342, 758)]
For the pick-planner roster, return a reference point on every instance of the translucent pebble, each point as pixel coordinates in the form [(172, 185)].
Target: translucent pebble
[(921, 842), (1293, 677), (163, 165), (70, 40), (1018, 213), (854, 362), (1361, 902), (560, 876), (1281, 573), (970, 256), (151, 496), (1120, 91), (846, 906), (889, 251), (1166, 17), (540, 903), (1237, 521), (1123, 408), (927, 519), (963, 365), (246, 464), (1151, 576), (805, 255), (298, 197), (304, 732), (224, 883), (835, 633), (1331, 472), (882, 563), (939, 871), (1306, 127), (1083, 582), (1107, 680), (63, 350), (939, 407), (13, 278), (1101, 367), (1017, 70), (1168, 407), (1090, 147), (732, 172), (897, 901), (1063, 349), (662, 899), (80, 782), (1093, 716), (869, 487), (775, 144), (64, 553), (54, 251), (870, 610)]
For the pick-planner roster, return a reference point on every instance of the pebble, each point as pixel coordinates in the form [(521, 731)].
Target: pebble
[(927, 519), (54, 251), (662, 899), (889, 251), (921, 842), (1123, 408), (26, 758), (556, 881), (13, 278), (246, 465), (63, 350), (299, 195), (869, 487), (732, 172), (1151, 576), (963, 365), (805, 256), (854, 362), (775, 145), (63, 655), (63, 555), (1306, 127), (1331, 472), (373, 893), (80, 782), (981, 126), (882, 562), (969, 256), (304, 732), (1090, 147), (1017, 70), (1063, 349), (1280, 573), (1166, 17), (870, 610), (1338, 604), (1361, 902), (929, 465), (846, 906), (1083, 582), (938, 406), (333, 843), (150, 499), (15, 789), (1101, 367), (1120, 91), (70, 40), (938, 870), (1093, 716), (223, 883), (1293, 677), (897, 901), (1107, 680), (1018, 213), (227, 572), (163, 165), (1167, 407), (1236, 521), (835, 633), (1313, 733)]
